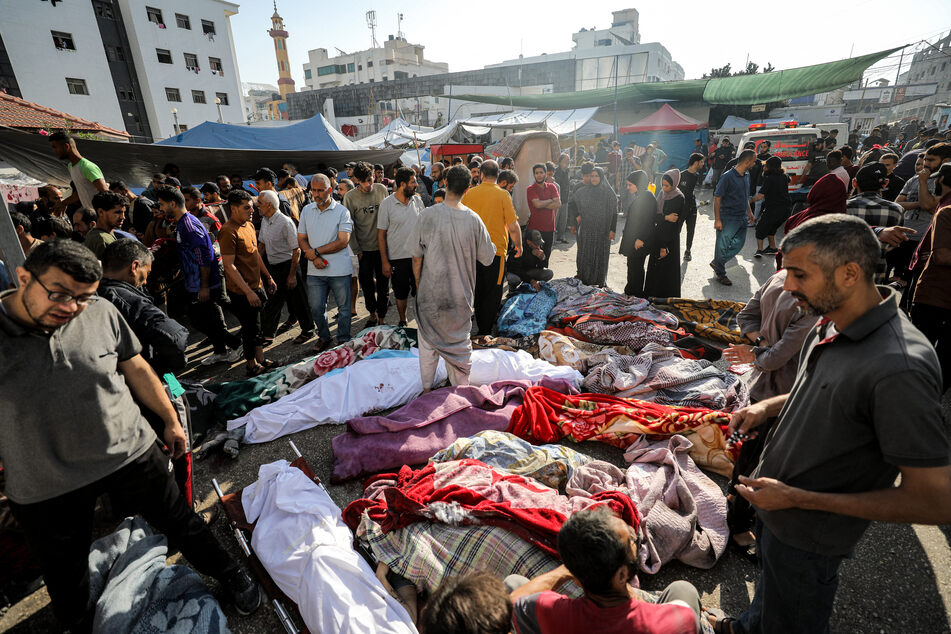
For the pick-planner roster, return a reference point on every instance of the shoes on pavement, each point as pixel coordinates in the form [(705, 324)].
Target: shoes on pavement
[(243, 592), (304, 337), (770, 251), (287, 325), (723, 279), (401, 324), (222, 357), (759, 253), (322, 344), (687, 257)]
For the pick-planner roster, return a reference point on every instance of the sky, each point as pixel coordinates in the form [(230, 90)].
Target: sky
[(697, 33)]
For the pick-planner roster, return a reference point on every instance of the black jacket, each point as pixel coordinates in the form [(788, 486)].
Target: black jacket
[(640, 218), (163, 339)]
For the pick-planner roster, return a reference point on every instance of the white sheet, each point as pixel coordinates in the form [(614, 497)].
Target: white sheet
[(376, 384), (306, 548)]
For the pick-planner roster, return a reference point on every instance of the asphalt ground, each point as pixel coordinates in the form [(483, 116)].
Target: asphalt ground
[(899, 579)]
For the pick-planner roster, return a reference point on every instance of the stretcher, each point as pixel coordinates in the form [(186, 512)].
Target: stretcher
[(242, 529)]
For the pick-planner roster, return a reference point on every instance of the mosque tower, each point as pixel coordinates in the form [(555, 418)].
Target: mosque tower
[(285, 83)]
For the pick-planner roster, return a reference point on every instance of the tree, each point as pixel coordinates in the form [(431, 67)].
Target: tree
[(752, 68), (723, 71)]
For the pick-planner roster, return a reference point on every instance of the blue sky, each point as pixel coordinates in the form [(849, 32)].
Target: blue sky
[(698, 35)]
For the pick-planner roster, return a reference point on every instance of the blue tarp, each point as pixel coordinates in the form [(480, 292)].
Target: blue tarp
[(678, 144), (312, 134)]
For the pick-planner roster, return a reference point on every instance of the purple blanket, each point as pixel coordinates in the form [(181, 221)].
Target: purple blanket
[(418, 430)]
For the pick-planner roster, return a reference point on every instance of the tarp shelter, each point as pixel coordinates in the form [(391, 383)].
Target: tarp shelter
[(396, 133), (777, 85), (559, 122), (672, 130), (310, 134), (135, 164)]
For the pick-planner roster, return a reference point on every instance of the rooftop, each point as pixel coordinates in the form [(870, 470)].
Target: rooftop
[(20, 113)]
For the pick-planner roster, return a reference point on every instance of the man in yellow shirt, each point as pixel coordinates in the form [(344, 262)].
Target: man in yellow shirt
[(494, 206)]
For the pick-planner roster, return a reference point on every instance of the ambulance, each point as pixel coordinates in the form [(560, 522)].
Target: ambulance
[(789, 142)]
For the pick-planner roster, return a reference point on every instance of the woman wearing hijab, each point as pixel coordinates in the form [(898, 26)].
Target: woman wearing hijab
[(597, 220), (663, 270), (827, 196), (562, 178), (640, 219), (774, 192)]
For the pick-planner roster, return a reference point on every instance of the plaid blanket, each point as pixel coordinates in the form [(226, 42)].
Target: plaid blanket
[(710, 318), (547, 416), (466, 492)]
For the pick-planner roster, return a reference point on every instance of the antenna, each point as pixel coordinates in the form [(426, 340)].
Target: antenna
[(399, 27), (371, 22)]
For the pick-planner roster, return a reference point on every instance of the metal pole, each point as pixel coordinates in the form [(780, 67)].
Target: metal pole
[(615, 96), (900, 60), (419, 161), (10, 245)]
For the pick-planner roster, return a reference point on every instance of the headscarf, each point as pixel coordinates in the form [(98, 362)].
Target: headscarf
[(640, 180), (827, 196), (662, 196)]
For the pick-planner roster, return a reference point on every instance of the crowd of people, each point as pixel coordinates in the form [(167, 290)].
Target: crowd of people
[(453, 240)]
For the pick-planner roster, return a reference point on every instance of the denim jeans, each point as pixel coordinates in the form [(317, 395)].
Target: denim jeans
[(730, 241), (318, 287), (795, 590)]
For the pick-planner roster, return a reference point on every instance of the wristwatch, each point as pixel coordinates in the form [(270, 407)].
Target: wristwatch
[(759, 340)]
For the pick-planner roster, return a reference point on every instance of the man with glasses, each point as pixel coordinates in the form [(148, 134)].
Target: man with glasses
[(323, 235), (70, 430)]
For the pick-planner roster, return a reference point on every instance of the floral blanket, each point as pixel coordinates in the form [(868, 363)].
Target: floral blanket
[(546, 416), (559, 349), (237, 398), (525, 312)]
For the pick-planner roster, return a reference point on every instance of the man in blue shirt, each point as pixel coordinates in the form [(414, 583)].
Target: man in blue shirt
[(731, 210), (324, 233), (202, 276)]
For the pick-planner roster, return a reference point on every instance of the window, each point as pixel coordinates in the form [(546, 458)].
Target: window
[(103, 9), (63, 41), (126, 94), (359, 66), (115, 54), (215, 64), (350, 67), (198, 96), (388, 62), (155, 15), (164, 55), (307, 73), (398, 74), (370, 64), (603, 43), (172, 94), (333, 69), (183, 22), (207, 27), (76, 86), (191, 61), (222, 98), (182, 127)]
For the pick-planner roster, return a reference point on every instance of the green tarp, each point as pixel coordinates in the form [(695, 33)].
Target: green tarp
[(740, 90)]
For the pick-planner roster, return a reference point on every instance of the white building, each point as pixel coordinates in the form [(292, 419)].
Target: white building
[(396, 59), (128, 64), (606, 56), (256, 97)]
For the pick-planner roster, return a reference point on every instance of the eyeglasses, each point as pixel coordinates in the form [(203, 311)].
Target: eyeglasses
[(65, 298)]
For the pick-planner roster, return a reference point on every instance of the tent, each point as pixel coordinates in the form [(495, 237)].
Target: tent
[(560, 122), (310, 134), (672, 130), (135, 163), (396, 133)]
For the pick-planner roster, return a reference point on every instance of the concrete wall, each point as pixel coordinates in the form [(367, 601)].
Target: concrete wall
[(41, 69)]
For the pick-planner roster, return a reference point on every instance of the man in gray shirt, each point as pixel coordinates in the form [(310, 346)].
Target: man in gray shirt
[(70, 430), (363, 201), (864, 408), (395, 223)]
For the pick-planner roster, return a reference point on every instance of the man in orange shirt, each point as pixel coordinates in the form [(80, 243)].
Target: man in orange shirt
[(494, 206)]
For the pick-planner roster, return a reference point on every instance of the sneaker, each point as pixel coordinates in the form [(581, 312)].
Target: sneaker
[(322, 344), (243, 592), (222, 357), (687, 257), (758, 254), (723, 279), (770, 251)]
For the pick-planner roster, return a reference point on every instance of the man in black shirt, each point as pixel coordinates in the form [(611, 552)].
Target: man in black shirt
[(895, 182), (689, 179), (721, 156), (530, 266), (141, 207)]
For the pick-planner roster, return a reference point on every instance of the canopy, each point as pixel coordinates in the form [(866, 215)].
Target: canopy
[(738, 90), (396, 133), (560, 122), (732, 122), (666, 118), (310, 134), (135, 164)]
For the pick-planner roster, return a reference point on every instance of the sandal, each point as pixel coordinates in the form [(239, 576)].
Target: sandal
[(401, 324), (722, 623), (257, 370), (269, 364), (372, 321), (304, 337), (748, 552)]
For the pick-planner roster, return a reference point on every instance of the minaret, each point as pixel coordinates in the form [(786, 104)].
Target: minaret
[(284, 83)]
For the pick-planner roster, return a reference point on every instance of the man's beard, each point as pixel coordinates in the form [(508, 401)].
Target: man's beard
[(829, 300)]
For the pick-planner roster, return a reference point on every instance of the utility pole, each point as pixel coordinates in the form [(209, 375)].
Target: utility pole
[(616, 130), (901, 58)]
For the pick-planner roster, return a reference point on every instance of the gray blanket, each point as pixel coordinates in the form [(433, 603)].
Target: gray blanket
[(134, 591)]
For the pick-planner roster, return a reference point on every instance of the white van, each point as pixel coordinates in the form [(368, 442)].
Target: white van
[(792, 144)]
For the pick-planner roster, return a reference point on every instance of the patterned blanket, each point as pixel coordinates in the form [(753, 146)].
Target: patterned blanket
[(237, 398), (525, 312), (547, 416), (560, 349), (600, 303), (710, 318), (552, 465), (467, 492)]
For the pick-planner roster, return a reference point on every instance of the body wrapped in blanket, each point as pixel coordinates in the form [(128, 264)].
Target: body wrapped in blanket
[(307, 550)]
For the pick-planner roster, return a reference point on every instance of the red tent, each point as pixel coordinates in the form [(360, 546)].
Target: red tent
[(666, 118)]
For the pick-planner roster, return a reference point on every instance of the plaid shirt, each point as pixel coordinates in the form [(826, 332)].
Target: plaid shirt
[(877, 212)]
